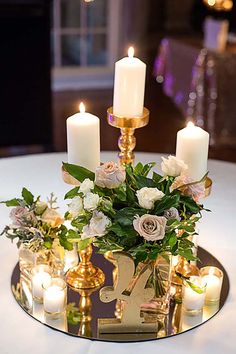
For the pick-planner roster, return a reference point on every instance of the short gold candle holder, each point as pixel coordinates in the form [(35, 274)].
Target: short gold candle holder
[(208, 186), (127, 125), (85, 275)]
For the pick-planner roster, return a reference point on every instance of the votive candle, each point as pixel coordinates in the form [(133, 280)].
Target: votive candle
[(194, 297), (213, 277), (41, 274), (54, 296)]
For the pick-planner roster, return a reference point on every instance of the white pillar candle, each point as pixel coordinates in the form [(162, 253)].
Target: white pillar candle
[(129, 86), (192, 147), (213, 278), (83, 139), (38, 279), (193, 301), (54, 299)]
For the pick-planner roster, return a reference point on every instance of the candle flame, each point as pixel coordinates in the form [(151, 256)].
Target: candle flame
[(131, 52), (81, 107), (190, 124)]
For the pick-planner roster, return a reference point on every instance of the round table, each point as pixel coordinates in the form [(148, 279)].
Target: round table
[(22, 334)]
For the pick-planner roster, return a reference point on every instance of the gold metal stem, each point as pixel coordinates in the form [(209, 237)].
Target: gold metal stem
[(85, 275), (126, 143), (127, 125)]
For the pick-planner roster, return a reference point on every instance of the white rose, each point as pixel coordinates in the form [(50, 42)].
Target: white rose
[(172, 166), (86, 186), (97, 225), (148, 196), (91, 201), (76, 207)]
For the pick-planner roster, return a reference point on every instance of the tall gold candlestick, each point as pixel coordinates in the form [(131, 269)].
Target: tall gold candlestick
[(127, 140)]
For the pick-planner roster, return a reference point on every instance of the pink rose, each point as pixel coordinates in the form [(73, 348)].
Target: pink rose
[(150, 227), (22, 217), (185, 185), (110, 175)]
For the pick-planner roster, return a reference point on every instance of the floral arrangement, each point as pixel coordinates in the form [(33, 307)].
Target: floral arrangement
[(123, 208), (35, 222)]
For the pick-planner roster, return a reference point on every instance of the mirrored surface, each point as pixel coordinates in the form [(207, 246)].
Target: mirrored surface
[(85, 312)]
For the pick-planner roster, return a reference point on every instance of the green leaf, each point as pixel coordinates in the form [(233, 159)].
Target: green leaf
[(27, 196), (147, 168), (187, 253), (165, 203), (12, 202), (121, 193), (156, 177), (78, 172), (126, 216), (138, 168), (190, 204), (82, 244), (66, 244), (172, 240), (142, 181), (72, 193), (48, 242), (194, 287), (72, 234)]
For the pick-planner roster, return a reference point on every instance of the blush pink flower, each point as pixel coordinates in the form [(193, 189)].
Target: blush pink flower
[(150, 227), (110, 175), (22, 217), (187, 186)]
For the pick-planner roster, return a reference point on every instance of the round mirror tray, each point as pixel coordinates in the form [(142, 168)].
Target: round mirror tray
[(84, 308)]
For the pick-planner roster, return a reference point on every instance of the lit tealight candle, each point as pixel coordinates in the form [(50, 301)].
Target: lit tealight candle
[(194, 296), (213, 277), (41, 274), (129, 86), (54, 296), (192, 147), (83, 139)]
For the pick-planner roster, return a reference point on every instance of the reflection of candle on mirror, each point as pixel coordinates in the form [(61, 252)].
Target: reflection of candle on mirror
[(83, 139), (129, 86), (192, 147)]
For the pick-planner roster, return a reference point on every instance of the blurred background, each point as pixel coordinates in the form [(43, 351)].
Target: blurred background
[(55, 54)]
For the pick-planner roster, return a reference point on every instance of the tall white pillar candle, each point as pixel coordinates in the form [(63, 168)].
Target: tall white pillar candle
[(83, 139), (129, 86), (192, 147)]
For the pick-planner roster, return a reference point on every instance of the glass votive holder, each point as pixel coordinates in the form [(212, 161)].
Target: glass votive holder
[(193, 296), (213, 277), (40, 274), (54, 297)]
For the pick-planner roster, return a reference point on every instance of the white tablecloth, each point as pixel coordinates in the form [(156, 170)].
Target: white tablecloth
[(21, 334)]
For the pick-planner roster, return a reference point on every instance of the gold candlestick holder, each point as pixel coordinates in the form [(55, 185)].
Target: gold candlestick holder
[(127, 125), (85, 275)]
